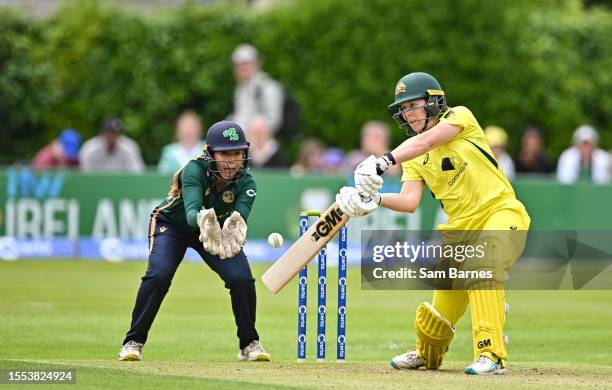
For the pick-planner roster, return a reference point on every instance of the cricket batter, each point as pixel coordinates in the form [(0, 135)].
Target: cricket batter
[(207, 208), (447, 152)]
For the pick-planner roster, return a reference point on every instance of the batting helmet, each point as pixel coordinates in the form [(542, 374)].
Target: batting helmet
[(221, 137), (418, 85)]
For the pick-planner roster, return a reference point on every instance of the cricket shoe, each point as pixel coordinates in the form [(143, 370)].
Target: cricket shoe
[(407, 361), (485, 366), (131, 351), (254, 352)]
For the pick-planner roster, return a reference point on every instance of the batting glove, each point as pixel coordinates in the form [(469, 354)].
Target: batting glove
[(367, 174), (352, 203)]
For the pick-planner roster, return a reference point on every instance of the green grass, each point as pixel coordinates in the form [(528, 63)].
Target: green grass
[(74, 314)]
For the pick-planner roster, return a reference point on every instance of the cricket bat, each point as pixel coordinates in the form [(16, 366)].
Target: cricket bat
[(305, 248)]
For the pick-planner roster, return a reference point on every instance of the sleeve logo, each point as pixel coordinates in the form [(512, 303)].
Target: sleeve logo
[(426, 159), (251, 193)]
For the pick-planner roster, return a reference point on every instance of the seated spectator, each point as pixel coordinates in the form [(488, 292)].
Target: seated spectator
[(497, 140), (374, 140), (309, 157), (256, 93), (532, 157), (584, 161), (111, 151), (189, 143), (265, 151), (62, 153)]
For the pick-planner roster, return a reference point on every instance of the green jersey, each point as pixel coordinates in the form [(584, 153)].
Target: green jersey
[(193, 187)]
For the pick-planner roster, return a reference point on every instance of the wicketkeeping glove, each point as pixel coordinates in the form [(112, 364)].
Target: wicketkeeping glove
[(210, 231), (233, 235)]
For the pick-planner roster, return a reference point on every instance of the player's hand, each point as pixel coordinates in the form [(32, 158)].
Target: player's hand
[(367, 174), (210, 231), (233, 235), (353, 204)]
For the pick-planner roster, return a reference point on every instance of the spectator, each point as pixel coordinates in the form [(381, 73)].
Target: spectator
[(497, 140), (309, 157), (265, 151), (584, 161), (375, 139), (532, 158), (111, 151), (256, 93), (61, 153), (332, 161), (189, 143)]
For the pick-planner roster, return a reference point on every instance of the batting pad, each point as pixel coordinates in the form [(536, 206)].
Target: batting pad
[(488, 319), (434, 335)]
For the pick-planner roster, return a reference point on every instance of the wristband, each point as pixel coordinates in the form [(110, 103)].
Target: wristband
[(390, 158)]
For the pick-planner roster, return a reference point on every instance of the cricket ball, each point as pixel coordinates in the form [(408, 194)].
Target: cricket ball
[(275, 240)]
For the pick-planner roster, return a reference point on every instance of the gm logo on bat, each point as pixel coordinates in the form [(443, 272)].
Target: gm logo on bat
[(327, 224)]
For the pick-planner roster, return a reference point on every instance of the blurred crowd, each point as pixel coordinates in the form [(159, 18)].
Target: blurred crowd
[(270, 117)]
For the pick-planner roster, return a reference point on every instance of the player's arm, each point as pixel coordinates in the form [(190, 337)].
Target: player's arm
[(233, 234), (424, 142), (245, 199), (367, 174), (191, 177), (407, 200), (205, 220)]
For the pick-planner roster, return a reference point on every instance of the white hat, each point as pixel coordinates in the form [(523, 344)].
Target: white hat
[(585, 133), (244, 53)]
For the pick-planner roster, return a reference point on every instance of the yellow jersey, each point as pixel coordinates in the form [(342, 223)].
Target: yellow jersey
[(464, 175)]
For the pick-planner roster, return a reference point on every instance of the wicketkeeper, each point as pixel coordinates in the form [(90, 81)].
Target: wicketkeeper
[(447, 152), (207, 208)]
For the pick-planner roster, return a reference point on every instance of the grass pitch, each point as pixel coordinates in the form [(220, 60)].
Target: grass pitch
[(75, 314)]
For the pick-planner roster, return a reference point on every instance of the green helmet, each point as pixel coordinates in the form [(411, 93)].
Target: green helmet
[(418, 85)]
